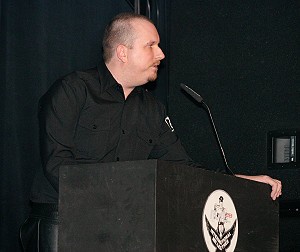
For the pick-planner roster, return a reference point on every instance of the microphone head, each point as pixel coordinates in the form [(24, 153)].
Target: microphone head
[(192, 93)]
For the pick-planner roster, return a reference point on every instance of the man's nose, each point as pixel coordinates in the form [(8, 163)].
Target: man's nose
[(160, 54)]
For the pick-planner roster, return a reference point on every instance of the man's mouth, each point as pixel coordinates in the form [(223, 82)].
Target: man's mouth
[(155, 65)]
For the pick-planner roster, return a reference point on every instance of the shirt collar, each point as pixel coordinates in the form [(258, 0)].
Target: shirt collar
[(105, 77), (107, 80)]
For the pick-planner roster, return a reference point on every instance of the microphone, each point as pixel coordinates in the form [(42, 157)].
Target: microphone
[(199, 99)]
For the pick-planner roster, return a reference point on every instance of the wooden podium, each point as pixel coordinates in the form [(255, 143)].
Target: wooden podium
[(163, 206)]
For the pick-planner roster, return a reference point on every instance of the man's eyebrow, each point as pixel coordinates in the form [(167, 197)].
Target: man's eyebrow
[(151, 42)]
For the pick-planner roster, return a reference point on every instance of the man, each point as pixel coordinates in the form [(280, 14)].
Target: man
[(104, 115)]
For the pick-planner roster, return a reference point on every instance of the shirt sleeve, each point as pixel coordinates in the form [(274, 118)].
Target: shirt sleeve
[(59, 110), (170, 148)]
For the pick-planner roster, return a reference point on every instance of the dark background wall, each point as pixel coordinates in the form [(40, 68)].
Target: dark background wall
[(241, 57)]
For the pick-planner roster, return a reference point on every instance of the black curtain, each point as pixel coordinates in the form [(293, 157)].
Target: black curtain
[(39, 41), (243, 58)]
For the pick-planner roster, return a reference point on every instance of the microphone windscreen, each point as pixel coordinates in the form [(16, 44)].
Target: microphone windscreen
[(192, 93)]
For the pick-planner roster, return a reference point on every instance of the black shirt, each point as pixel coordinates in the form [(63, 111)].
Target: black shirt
[(84, 118)]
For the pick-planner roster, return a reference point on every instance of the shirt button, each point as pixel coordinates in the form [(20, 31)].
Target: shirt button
[(150, 140), (123, 132), (94, 126), (118, 158)]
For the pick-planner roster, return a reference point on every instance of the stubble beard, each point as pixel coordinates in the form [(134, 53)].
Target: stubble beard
[(153, 77)]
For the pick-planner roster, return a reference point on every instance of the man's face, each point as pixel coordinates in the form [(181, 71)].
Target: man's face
[(145, 55)]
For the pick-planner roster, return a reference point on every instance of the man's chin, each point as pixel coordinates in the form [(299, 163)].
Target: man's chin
[(152, 78)]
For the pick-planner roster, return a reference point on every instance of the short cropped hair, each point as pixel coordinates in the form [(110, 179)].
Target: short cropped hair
[(119, 31)]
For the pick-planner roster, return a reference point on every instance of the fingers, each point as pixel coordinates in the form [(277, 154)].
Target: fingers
[(276, 188)]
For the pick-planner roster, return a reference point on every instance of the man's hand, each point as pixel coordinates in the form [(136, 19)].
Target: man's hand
[(274, 183)]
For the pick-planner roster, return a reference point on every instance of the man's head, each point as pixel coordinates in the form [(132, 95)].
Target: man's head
[(119, 31), (131, 49)]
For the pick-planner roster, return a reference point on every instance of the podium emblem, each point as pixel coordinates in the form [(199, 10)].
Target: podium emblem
[(220, 222)]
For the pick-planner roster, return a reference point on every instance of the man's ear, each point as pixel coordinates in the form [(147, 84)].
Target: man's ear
[(122, 53)]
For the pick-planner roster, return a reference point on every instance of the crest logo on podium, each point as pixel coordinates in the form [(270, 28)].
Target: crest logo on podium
[(220, 222)]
